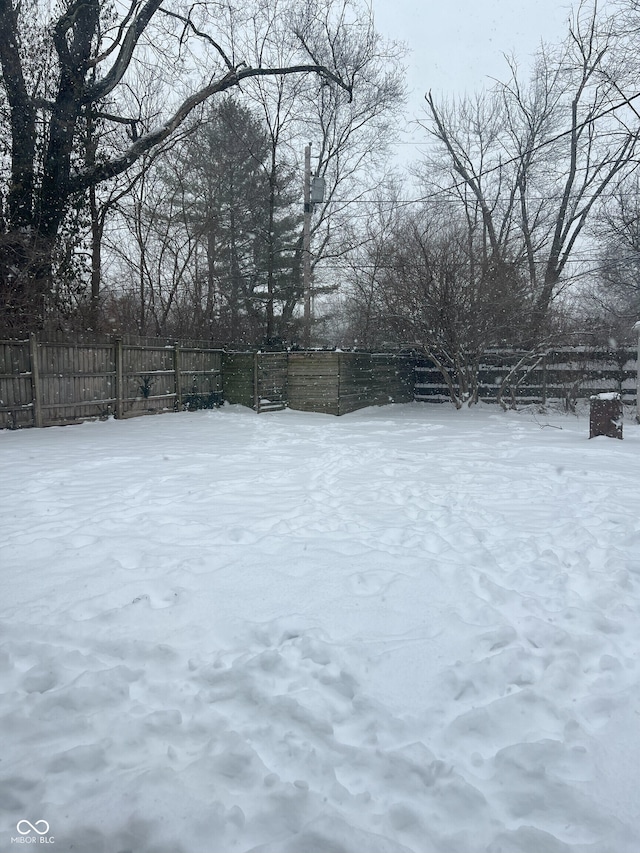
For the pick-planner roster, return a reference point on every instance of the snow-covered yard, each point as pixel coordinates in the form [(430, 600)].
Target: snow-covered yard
[(407, 629)]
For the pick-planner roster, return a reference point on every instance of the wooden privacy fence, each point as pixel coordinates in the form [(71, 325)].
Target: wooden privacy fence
[(256, 379), (566, 374), (317, 381), (46, 382)]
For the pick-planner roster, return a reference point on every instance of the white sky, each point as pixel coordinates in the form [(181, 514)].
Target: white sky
[(459, 45)]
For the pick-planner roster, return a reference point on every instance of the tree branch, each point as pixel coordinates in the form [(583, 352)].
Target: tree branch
[(103, 171), (117, 71), (188, 23), (123, 24)]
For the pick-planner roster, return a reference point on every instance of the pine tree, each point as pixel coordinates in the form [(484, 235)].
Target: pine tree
[(247, 277)]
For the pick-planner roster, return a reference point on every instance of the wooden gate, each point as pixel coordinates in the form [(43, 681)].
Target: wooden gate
[(270, 381)]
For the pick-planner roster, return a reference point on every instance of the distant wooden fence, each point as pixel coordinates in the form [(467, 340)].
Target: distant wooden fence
[(46, 382), (565, 374), (315, 381)]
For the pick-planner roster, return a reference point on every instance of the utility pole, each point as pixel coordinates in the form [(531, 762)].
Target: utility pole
[(306, 248)]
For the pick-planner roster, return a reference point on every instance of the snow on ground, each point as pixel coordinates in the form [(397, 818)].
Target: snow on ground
[(406, 629)]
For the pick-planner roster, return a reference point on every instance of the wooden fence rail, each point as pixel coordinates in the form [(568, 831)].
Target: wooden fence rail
[(566, 374)]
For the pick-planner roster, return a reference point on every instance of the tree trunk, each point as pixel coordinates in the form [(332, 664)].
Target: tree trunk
[(25, 281)]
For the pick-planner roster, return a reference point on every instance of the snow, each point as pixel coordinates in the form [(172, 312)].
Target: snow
[(405, 630)]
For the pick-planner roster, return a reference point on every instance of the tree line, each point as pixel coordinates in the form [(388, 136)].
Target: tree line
[(152, 181), (149, 154), (526, 234)]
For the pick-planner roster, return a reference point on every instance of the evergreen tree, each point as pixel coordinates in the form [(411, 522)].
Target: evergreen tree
[(247, 271)]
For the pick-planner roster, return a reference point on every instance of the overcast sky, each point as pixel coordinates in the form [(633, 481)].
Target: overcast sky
[(459, 45)]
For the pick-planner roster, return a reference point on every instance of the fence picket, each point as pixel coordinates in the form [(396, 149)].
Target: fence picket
[(35, 380)]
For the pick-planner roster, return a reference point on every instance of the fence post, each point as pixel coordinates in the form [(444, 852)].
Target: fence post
[(117, 344), (35, 379), (176, 370), (636, 329), (606, 415), (256, 384)]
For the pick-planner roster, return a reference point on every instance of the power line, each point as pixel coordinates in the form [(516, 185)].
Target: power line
[(501, 165), (603, 264)]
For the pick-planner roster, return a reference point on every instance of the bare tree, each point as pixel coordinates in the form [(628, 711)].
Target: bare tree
[(515, 176), (91, 48), (351, 137), (611, 302), (150, 254), (367, 269), (424, 285), (534, 160)]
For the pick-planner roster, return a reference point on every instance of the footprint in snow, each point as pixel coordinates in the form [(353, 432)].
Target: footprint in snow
[(371, 583), (158, 602)]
